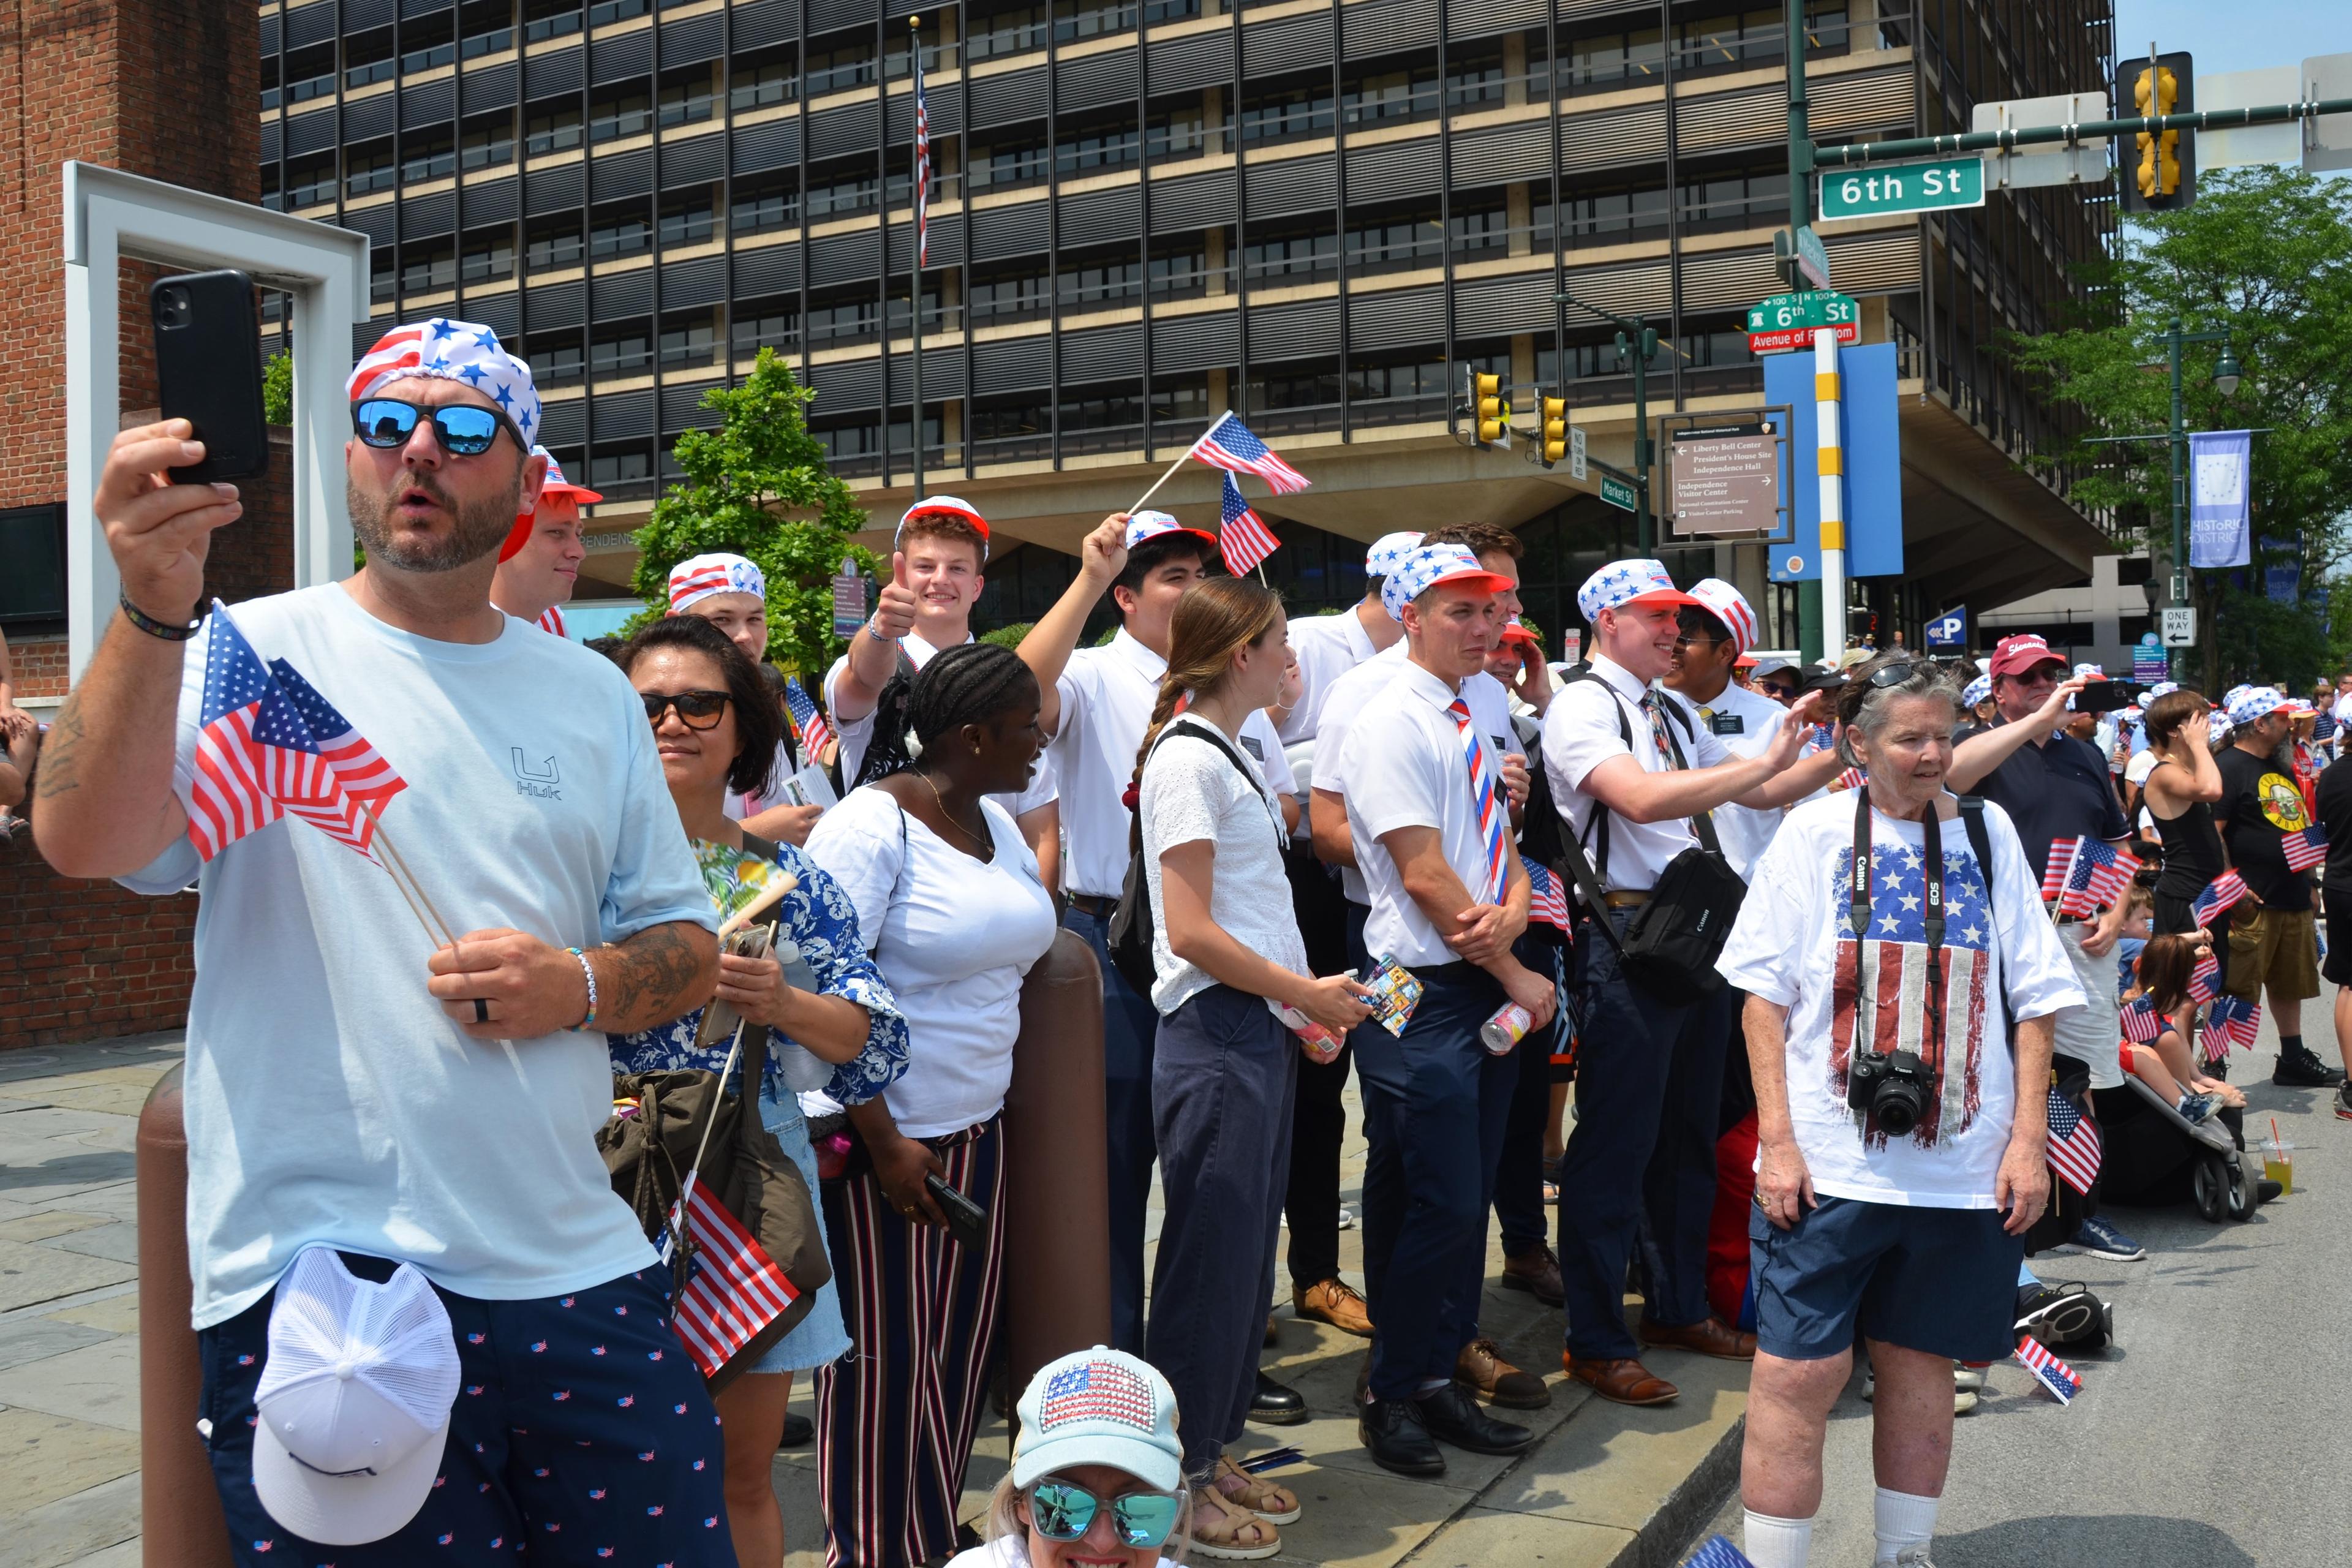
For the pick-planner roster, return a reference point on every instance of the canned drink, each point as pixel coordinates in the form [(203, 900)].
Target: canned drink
[(1506, 1028), (1322, 1045)]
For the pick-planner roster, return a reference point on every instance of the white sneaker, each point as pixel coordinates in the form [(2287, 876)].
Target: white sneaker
[(1913, 1557), (1967, 1379)]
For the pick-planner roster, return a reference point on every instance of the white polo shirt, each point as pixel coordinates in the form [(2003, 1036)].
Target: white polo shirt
[(1745, 721), (1580, 732), (1328, 647), (1412, 770), (857, 735), (1360, 691), (1107, 696)]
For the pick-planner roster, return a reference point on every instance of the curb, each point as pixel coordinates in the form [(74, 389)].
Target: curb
[(1670, 1531)]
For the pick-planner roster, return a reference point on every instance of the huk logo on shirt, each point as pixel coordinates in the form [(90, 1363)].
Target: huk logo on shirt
[(537, 779)]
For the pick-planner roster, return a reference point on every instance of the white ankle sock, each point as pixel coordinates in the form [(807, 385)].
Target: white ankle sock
[(1777, 1542), (1902, 1519)]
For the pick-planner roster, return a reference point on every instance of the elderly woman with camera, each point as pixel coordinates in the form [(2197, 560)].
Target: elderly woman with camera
[(1902, 983)]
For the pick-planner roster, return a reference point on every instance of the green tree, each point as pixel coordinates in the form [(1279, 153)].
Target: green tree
[(277, 389), (758, 486), (2265, 253)]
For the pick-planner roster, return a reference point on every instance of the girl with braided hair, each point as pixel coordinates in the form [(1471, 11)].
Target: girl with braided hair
[(950, 898), (1226, 951)]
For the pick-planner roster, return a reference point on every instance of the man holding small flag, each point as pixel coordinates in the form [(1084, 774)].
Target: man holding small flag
[(352, 1082)]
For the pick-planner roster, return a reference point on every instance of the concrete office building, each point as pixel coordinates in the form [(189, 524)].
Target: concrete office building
[(1317, 212)]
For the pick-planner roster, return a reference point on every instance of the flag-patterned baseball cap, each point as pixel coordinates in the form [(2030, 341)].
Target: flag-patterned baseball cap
[(945, 506), (444, 350), (699, 576), (555, 488), (1149, 524), (1976, 691), (1430, 566), (2161, 688), (2015, 656), (1099, 1407), (1389, 551), (1729, 605), (1622, 583), (2254, 701)]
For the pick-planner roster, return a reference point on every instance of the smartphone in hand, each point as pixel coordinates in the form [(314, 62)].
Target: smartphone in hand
[(208, 370), (967, 1221)]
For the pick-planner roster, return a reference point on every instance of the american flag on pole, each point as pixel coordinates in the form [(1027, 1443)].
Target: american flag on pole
[(1879, 997), (2098, 874), (2234, 1021), (2204, 980), (1546, 901), (735, 1289), (2224, 892), (227, 798), (922, 159), (359, 767), (2062, 1381), (2058, 868), (1717, 1553), (1229, 445), (2143, 1024), (2073, 1144), (807, 718), (2304, 849), (1853, 778), (1243, 538)]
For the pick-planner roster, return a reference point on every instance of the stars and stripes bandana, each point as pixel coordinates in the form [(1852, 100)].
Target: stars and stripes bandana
[(1243, 538), (444, 350), (1492, 821), (2073, 1144), (1229, 445), (698, 578)]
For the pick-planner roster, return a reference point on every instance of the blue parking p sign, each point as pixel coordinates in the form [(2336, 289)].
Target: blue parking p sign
[(1950, 629)]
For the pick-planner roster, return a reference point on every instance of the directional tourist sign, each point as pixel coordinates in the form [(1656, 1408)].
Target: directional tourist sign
[(1869, 192), (1617, 492), (1789, 321)]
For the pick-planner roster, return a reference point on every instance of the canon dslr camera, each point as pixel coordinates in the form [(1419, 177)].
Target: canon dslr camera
[(1892, 1087)]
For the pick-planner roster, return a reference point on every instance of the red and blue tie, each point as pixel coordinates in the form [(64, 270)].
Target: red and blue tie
[(1492, 821)]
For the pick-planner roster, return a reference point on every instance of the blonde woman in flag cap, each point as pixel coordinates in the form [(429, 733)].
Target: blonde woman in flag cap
[(539, 562), (732, 593), (354, 1084), (1628, 770)]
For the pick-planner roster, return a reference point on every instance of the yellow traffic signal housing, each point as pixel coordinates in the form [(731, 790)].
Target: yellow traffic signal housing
[(1555, 430), (2162, 175), (1488, 409)]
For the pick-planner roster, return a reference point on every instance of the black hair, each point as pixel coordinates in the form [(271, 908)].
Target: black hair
[(759, 724), (1699, 618), (1157, 552), (969, 684)]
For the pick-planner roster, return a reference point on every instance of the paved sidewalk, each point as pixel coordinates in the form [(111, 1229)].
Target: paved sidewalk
[(1606, 1487)]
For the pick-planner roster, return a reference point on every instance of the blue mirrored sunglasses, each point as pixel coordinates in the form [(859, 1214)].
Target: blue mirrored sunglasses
[(463, 428), (1061, 1511)]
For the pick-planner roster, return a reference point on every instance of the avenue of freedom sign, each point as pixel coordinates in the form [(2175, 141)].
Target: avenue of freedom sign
[(1727, 481), (1787, 322)]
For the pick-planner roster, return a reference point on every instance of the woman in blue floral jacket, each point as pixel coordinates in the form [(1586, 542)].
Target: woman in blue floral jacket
[(715, 728)]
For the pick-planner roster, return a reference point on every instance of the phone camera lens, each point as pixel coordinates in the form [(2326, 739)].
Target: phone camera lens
[(172, 307)]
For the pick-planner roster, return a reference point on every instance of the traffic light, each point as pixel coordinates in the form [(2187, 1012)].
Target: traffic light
[(1490, 415), (1649, 347), (1554, 442), (2156, 171)]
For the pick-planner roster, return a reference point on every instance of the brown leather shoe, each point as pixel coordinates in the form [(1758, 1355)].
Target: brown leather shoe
[(1623, 1382), (1537, 1273), (1481, 1369), (1332, 1302), (1711, 1337)]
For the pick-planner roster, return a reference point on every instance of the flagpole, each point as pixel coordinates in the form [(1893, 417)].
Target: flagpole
[(919, 165), (1177, 464)]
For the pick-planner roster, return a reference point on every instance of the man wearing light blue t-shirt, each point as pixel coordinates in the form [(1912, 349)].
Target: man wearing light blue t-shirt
[(353, 1084)]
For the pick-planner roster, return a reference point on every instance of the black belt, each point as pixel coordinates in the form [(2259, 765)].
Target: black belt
[(1094, 904)]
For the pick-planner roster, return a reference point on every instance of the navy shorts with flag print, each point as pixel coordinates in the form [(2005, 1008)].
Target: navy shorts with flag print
[(1939, 1280), (581, 1435)]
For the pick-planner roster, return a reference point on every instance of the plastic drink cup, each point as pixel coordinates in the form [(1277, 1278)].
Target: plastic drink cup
[(2278, 1165), (1506, 1028), (1322, 1045)]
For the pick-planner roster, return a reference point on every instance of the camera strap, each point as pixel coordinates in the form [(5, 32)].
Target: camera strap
[(1858, 901)]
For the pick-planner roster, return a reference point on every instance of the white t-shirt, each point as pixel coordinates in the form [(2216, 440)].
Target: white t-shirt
[(1792, 945), (1745, 721), (2136, 771), (1413, 770), (857, 734), (1581, 732), (1327, 647), (955, 937), (1107, 696), (1191, 792), (1359, 693), (330, 1102)]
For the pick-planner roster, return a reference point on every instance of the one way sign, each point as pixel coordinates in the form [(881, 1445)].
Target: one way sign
[(1950, 629)]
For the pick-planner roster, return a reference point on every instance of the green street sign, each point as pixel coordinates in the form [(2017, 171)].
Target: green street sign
[(1814, 308), (1617, 492), (1903, 188)]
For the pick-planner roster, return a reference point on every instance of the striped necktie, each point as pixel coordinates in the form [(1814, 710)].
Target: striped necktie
[(1491, 816)]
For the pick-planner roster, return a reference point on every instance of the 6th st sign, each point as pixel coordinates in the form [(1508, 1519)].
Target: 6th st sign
[(1903, 188)]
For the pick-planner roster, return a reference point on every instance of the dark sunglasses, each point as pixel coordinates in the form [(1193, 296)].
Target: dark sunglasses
[(695, 709), (463, 429), (1061, 1511), (1893, 674)]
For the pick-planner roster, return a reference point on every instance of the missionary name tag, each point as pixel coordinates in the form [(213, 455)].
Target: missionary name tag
[(1728, 724)]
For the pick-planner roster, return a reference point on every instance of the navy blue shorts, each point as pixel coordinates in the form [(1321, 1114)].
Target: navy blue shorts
[(1939, 1280), (581, 1435)]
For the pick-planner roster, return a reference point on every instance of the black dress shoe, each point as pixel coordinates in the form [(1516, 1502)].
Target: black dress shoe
[(798, 1431), (1391, 1432), (1451, 1415), (1275, 1405)]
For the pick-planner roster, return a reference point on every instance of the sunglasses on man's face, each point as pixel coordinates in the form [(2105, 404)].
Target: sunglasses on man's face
[(1062, 1511), (464, 430), (695, 709)]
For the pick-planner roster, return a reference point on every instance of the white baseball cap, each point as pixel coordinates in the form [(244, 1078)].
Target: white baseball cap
[(1388, 552), (962, 510), (1099, 1407), (353, 1400), (1149, 524)]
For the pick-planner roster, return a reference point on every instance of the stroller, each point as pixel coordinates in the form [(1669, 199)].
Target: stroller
[(2154, 1155)]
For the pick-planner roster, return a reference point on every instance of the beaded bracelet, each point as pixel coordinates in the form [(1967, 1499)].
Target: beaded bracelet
[(151, 626), (588, 971)]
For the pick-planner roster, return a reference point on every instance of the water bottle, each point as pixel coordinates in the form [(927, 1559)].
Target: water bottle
[(1506, 1029), (1322, 1045), (803, 1072)]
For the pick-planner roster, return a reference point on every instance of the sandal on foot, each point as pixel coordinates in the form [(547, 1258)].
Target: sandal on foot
[(1225, 1530), (1272, 1503)]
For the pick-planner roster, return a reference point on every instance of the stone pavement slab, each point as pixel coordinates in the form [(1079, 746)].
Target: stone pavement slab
[(48, 1456), (98, 1383)]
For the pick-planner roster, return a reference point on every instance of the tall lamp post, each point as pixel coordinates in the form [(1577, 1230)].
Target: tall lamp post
[(2226, 375), (1632, 332)]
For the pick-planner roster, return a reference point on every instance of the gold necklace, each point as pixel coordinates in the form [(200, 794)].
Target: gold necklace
[(947, 816)]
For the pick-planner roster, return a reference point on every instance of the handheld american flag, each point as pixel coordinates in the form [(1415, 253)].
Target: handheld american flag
[(1243, 538), (2073, 1144), (2143, 1024), (2205, 979), (1546, 902), (2062, 1381), (2234, 1021), (1853, 778), (2304, 849), (2224, 892), (359, 767), (1229, 445), (2098, 875), (2058, 868), (227, 798), (815, 732), (736, 1289)]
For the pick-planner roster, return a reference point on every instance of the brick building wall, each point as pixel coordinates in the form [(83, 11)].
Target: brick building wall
[(164, 89)]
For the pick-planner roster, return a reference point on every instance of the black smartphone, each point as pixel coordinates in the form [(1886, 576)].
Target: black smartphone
[(2106, 697), (967, 1221), (208, 370)]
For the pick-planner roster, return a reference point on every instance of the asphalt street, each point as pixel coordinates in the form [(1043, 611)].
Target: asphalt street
[(2208, 1435)]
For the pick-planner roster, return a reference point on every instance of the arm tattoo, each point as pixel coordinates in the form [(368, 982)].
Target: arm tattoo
[(656, 975), (57, 770)]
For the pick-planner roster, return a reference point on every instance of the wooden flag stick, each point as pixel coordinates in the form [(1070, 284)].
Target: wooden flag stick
[(448, 936), (1161, 480)]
